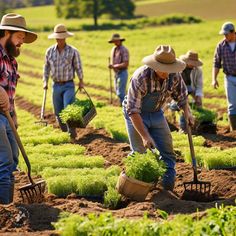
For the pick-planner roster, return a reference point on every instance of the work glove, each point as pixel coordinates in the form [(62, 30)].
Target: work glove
[(4, 100)]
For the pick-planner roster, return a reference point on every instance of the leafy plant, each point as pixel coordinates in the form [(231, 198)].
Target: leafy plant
[(111, 198), (144, 167), (204, 115), (76, 110)]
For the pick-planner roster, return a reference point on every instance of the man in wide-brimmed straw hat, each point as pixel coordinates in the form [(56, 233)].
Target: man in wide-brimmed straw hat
[(193, 78), (224, 57), (62, 61), (13, 33), (119, 63), (150, 87)]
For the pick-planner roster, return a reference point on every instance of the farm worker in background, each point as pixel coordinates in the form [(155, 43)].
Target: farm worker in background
[(13, 34), (61, 62), (119, 63), (193, 78), (225, 56), (150, 87)]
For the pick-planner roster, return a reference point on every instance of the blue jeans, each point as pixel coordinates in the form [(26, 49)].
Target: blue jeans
[(121, 78), (8, 159), (158, 128), (63, 95), (230, 88)]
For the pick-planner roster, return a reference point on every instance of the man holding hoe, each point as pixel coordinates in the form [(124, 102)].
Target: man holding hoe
[(13, 34)]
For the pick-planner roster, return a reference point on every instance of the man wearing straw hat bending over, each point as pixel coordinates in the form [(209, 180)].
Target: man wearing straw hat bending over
[(193, 78), (119, 63), (61, 62), (150, 87), (13, 34)]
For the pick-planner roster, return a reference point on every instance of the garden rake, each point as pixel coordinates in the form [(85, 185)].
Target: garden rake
[(195, 186), (32, 192), (42, 117)]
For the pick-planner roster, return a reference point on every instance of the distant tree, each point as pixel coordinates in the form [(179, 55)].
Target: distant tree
[(119, 9)]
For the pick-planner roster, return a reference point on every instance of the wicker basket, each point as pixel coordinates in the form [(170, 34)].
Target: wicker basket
[(86, 118), (132, 188)]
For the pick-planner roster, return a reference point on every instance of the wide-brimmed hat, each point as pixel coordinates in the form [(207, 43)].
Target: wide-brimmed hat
[(60, 32), (191, 58), (227, 27), (115, 37), (15, 22), (164, 60)]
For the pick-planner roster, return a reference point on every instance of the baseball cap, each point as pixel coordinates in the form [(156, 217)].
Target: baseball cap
[(226, 28)]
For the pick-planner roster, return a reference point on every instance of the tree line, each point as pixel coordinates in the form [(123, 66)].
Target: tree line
[(114, 9)]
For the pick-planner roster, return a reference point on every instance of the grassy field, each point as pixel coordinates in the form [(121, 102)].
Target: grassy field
[(205, 9)]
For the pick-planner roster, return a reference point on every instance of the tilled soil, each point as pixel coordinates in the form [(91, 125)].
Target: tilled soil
[(36, 219)]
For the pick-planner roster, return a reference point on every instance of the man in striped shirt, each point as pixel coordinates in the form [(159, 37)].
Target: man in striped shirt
[(150, 87), (13, 34), (225, 57), (62, 61), (119, 63)]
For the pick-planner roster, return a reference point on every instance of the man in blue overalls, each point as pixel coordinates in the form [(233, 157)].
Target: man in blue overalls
[(150, 87)]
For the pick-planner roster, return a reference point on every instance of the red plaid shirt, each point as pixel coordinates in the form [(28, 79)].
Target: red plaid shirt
[(8, 75)]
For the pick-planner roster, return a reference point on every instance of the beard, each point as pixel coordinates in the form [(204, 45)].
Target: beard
[(11, 48)]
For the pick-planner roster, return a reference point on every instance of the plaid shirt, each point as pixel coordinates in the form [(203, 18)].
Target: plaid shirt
[(173, 87), (119, 54), (8, 75), (224, 57), (62, 66)]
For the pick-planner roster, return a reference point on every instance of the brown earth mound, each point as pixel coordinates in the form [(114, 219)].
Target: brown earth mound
[(36, 219)]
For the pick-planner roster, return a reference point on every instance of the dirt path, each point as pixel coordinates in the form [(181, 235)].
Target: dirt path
[(98, 142)]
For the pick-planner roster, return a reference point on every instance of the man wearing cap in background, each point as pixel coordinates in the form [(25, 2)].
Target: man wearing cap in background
[(13, 34), (225, 57), (150, 87), (62, 61), (119, 63), (193, 78)]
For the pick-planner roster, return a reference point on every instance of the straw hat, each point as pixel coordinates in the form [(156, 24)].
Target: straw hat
[(191, 58), (164, 59), (60, 32), (15, 22), (115, 37)]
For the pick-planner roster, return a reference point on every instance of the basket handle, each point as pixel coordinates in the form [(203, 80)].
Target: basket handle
[(85, 93)]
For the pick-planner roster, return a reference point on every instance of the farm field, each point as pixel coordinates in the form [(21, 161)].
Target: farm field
[(81, 177)]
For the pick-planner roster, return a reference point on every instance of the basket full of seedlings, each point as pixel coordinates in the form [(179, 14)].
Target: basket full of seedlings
[(140, 175), (79, 113)]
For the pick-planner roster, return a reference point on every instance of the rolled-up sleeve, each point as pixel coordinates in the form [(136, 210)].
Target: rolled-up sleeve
[(217, 57), (77, 64), (46, 67), (135, 93)]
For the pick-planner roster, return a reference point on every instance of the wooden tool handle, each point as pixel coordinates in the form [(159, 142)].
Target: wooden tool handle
[(20, 145)]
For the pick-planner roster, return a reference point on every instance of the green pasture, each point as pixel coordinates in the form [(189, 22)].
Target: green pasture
[(95, 50)]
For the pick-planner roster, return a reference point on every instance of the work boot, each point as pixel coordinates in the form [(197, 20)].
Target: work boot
[(11, 192), (232, 120)]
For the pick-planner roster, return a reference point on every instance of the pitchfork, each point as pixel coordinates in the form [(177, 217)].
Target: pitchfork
[(196, 186), (32, 192)]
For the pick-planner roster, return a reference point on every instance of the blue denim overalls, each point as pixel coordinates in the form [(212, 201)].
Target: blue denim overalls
[(158, 128)]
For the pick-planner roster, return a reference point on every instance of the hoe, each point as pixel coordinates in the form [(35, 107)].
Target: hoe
[(196, 187), (32, 192), (42, 121)]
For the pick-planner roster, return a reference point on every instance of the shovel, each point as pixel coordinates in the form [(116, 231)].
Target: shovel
[(42, 118), (32, 192), (196, 187), (109, 62)]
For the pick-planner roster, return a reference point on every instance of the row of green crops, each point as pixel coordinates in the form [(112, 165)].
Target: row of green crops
[(65, 167), (217, 222)]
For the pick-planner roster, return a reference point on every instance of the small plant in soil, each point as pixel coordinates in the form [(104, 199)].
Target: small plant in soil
[(144, 167)]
